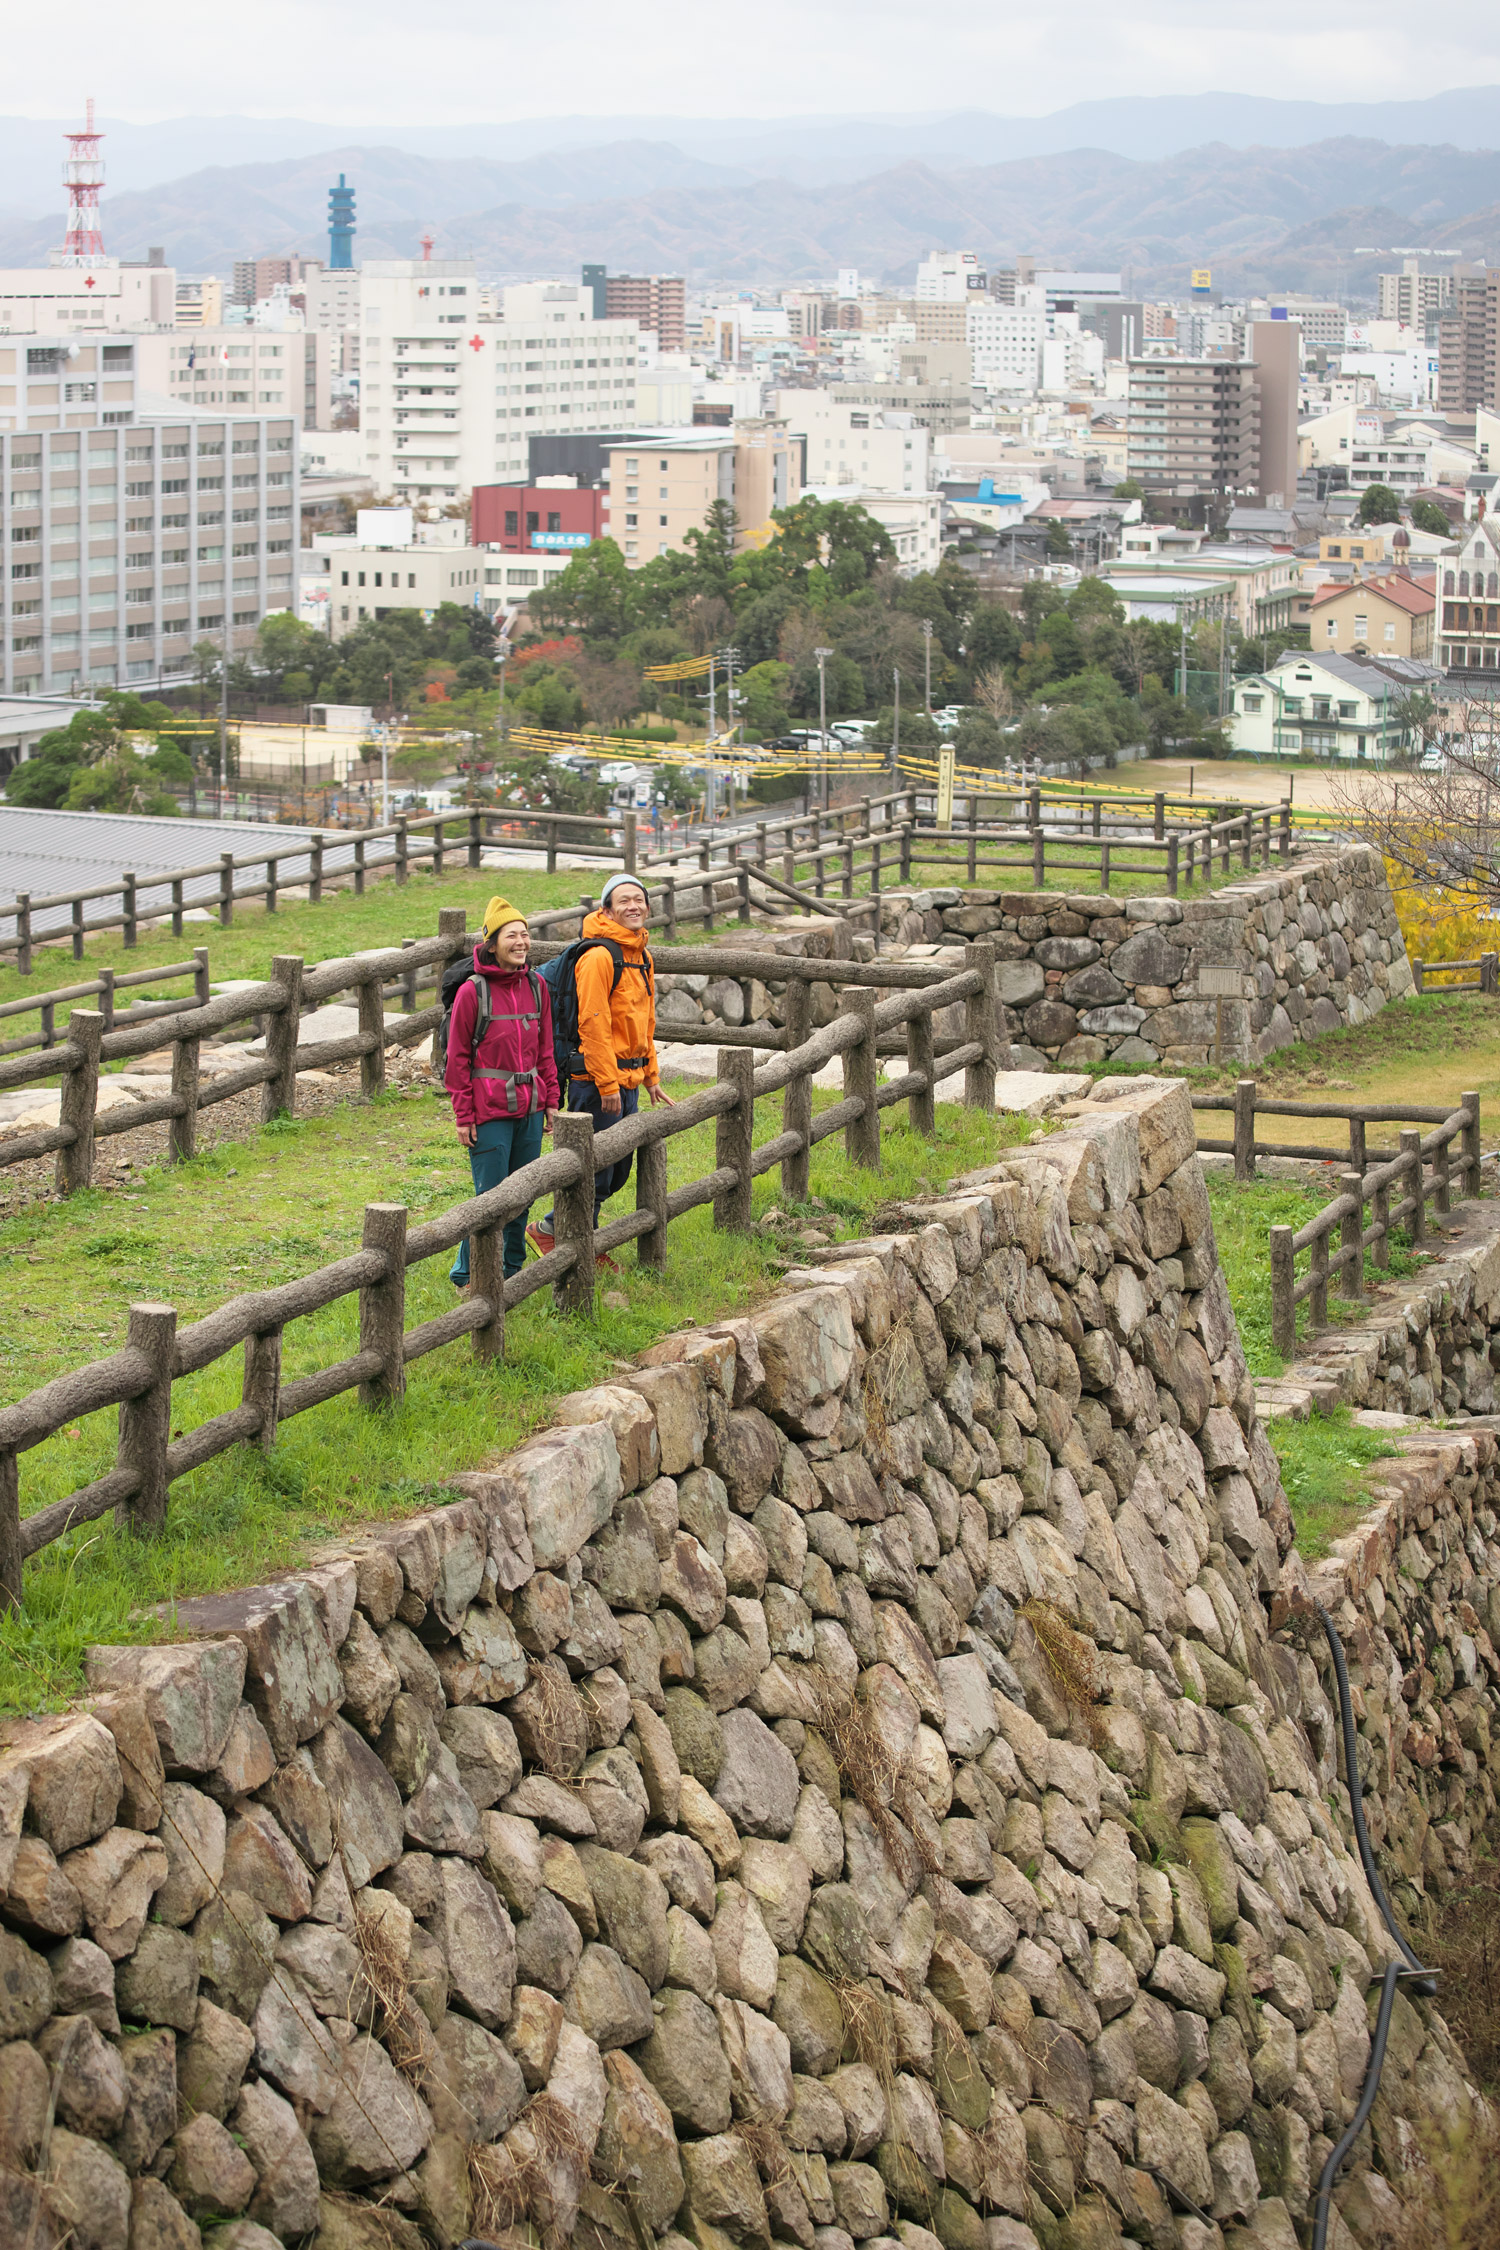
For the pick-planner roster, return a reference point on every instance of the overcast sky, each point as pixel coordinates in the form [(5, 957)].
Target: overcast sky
[(387, 62)]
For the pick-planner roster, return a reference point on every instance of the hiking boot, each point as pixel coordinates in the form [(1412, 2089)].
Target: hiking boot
[(541, 1241)]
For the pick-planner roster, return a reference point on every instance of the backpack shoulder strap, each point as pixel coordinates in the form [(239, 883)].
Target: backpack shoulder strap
[(481, 1011)]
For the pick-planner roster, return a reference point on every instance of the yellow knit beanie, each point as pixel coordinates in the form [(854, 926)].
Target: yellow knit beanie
[(498, 913)]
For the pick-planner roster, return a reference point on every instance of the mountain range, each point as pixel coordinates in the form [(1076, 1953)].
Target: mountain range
[(1325, 215)]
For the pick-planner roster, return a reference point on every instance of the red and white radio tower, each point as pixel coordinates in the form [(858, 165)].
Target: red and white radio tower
[(83, 175)]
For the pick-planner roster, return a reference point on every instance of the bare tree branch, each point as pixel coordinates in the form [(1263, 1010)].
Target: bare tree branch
[(1439, 824)]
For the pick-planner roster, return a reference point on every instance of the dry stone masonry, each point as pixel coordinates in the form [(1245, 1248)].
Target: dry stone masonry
[(838, 1787), (1090, 978)]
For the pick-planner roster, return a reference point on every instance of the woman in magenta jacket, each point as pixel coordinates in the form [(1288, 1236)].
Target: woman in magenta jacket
[(504, 1090)]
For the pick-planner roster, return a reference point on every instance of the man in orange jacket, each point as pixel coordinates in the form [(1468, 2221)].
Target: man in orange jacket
[(616, 1029)]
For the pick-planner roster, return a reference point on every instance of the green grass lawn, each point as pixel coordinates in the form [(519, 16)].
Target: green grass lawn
[(251, 1214), (1323, 1462)]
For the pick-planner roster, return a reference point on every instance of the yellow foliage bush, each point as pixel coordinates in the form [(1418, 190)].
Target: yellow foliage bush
[(1439, 924)]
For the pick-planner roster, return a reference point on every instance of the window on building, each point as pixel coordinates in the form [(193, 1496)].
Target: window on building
[(1251, 702), (512, 522), (554, 519), (533, 521), (1333, 628), (1361, 627)]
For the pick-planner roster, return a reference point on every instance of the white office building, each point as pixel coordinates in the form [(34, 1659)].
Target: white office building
[(855, 444), (127, 535), (1007, 340), (455, 380), (255, 368), (950, 277), (67, 300)]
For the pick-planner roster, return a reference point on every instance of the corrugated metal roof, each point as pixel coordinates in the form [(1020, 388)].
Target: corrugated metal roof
[(47, 852)]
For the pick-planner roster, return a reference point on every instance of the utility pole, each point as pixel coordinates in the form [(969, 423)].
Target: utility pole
[(822, 655), (927, 662), (1182, 684), (708, 750), (896, 725)]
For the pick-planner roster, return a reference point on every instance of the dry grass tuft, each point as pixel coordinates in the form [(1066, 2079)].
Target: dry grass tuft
[(767, 2150), (382, 1998), (553, 1721), (516, 2185), (1453, 2200), (497, 2196), (1461, 1936), (1070, 1656), (870, 1771)]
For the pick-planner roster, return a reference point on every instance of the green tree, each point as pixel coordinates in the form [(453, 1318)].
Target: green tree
[(594, 596), (1128, 488), (1379, 505), (1058, 542), (1426, 515), (763, 692)]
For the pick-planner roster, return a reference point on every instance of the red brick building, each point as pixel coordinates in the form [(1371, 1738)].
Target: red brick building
[(536, 519)]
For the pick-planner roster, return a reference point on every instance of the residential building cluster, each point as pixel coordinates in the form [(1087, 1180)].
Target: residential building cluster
[(1207, 457)]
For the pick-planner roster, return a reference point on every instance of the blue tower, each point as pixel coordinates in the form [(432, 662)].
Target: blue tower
[(341, 228)]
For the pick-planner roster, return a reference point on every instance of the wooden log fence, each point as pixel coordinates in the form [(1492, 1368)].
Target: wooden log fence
[(1482, 975), (831, 842), (157, 1352), (1424, 1169)]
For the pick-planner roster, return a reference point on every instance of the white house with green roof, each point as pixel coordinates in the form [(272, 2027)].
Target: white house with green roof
[(1340, 708)]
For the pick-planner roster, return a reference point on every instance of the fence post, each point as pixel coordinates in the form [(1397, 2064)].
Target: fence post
[(552, 847), (1442, 1172), (760, 843), (1172, 863), (176, 906), (475, 845), (742, 877), (1416, 1220), (1470, 1102), (408, 980), (273, 875), (1380, 1248), (574, 1213), (75, 930), (734, 1132), (359, 867), (372, 1019), (1358, 1161), (1489, 972), (128, 929), (628, 842), (1247, 838), (1416, 971), (438, 843), (262, 1383), (278, 1095), (1284, 841), (1159, 815), (201, 992), (23, 933), (1038, 859), (796, 1108), (80, 1098), (1351, 1233), (487, 1280), (862, 1080), (315, 870), (10, 1532), (651, 1195), (182, 1130), (226, 889), (1244, 1129), (921, 1105), (905, 854), (146, 1422), (669, 899), (1317, 1296), (382, 1304), (107, 998), (979, 1023), (1283, 1303), (402, 847)]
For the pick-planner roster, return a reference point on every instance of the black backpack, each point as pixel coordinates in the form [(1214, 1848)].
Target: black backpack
[(457, 974), (561, 978)]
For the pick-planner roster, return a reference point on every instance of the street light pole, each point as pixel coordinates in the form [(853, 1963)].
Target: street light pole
[(896, 727), (822, 655), (927, 662)]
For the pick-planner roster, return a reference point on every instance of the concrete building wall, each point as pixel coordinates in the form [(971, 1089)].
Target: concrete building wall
[(67, 300), (1275, 347), (253, 368), (371, 582)]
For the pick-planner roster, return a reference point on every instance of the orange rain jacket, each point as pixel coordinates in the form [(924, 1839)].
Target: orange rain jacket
[(617, 1033)]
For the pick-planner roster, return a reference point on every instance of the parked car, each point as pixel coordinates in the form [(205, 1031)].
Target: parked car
[(1432, 760), (852, 730)]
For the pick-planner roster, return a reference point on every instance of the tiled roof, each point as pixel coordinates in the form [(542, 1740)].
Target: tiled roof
[(1400, 592)]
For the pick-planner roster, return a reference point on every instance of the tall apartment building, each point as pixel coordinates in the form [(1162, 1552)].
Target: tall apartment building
[(254, 368), (1276, 351), (128, 536), (1469, 344), (656, 302), (662, 488), (1411, 296), (1007, 340), (63, 300), (453, 384), (200, 304), (1193, 425), (255, 278)]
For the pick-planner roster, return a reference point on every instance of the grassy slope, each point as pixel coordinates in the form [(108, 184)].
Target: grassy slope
[(248, 1215)]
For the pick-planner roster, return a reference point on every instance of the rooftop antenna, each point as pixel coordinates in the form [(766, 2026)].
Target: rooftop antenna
[(83, 176), (427, 238)]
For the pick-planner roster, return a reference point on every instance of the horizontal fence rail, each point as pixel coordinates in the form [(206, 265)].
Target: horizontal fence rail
[(1396, 1184), (138, 1378), (1482, 975)]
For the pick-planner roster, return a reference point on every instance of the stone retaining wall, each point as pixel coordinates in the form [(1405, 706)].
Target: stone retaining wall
[(836, 1787), (1088, 978)]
